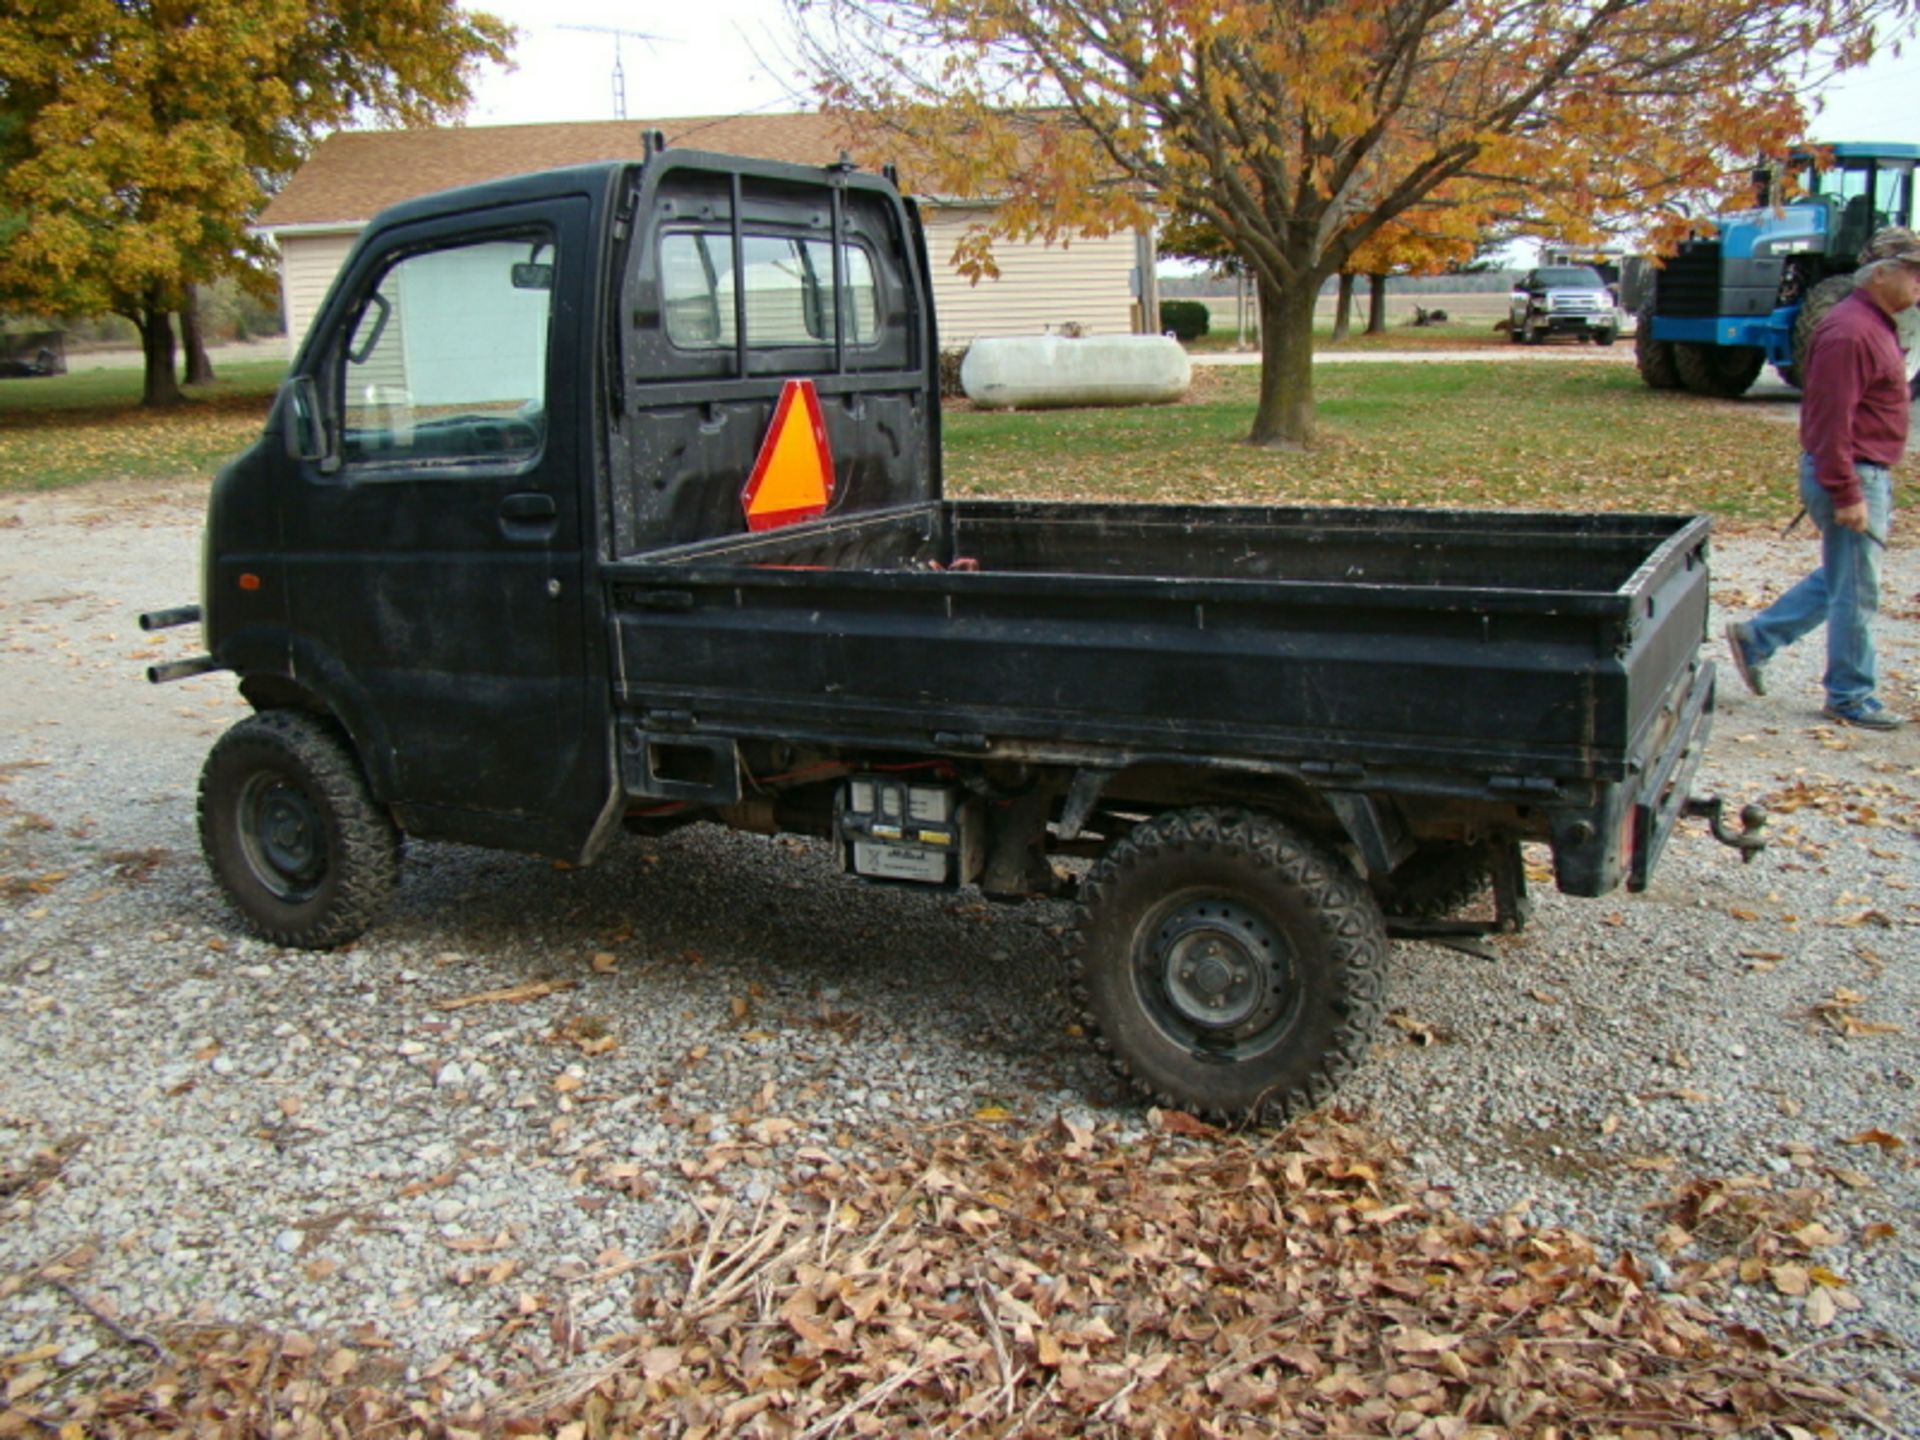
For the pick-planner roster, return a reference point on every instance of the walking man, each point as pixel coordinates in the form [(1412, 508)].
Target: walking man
[(1854, 407)]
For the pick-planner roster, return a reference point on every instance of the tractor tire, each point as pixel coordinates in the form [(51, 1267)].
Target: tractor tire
[(1821, 299), (1906, 325), (1654, 357), (1725, 371), (291, 833), (1227, 966), (1436, 881)]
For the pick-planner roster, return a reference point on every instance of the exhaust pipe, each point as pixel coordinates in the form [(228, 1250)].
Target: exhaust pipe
[(181, 669), (167, 619)]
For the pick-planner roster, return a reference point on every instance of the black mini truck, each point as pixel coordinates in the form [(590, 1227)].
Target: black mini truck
[(610, 498)]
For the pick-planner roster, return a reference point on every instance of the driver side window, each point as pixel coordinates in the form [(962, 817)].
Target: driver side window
[(446, 360)]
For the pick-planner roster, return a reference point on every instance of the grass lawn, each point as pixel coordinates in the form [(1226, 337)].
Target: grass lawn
[(71, 429), (1537, 435)]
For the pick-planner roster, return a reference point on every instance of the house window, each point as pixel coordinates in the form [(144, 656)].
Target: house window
[(446, 360), (788, 284)]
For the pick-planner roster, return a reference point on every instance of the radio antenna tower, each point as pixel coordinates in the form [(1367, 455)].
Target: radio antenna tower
[(619, 70)]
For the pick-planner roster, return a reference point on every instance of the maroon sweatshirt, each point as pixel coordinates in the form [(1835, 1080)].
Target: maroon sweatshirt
[(1853, 402)]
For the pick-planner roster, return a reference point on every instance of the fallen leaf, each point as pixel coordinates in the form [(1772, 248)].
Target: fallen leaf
[(1821, 1309), (1875, 1137)]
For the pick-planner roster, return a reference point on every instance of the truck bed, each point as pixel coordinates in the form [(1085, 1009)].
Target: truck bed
[(1447, 649)]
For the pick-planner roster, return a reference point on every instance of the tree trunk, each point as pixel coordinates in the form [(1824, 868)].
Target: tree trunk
[(1284, 418), (199, 367), (1376, 304), (162, 386), (1343, 311)]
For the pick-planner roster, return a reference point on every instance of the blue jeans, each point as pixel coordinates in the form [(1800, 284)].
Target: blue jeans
[(1844, 593)]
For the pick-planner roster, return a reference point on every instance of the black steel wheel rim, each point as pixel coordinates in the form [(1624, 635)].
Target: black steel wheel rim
[(1216, 976), (284, 837)]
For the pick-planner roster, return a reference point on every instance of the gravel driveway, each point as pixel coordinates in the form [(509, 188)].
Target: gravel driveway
[(200, 1125)]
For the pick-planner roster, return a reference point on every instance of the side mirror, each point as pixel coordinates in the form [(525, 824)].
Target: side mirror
[(301, 422), (532, 276)]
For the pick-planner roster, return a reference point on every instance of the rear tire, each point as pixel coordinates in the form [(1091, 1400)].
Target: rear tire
[(1820, 299), (291, 833), (1725, 371), (1437, 880), (1227, 966), (1654, 357)]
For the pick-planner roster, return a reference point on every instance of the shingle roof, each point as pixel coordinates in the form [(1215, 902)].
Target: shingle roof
[(354, 174)]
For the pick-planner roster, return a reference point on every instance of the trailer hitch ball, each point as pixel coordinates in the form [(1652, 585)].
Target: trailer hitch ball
[(1747, 839)]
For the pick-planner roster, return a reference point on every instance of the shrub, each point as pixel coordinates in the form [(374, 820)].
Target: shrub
[(1184, 319), (950, 387)]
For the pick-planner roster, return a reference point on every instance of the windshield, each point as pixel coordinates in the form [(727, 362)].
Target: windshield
[(1568, 277)]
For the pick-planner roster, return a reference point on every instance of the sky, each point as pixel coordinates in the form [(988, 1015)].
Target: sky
[(724, 57)]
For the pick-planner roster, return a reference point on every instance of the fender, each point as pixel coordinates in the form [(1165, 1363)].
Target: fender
[(278, 668)]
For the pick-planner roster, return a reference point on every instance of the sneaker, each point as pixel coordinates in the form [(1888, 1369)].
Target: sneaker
[(1869, 714), (1739, 635)]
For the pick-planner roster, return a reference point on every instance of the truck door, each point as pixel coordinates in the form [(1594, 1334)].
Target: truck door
[(435, 553)]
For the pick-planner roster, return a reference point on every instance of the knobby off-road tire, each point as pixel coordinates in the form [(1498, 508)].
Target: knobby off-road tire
[(1436, 881), (1721, 370), (1654, 357), (1820, 299), (1228, 967), (292, 835)]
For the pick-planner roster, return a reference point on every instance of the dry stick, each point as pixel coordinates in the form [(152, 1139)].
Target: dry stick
[(615, 1271), (1824, 1342), (906, 1199), (266, 1384), (871, 1397), (1117, 1397), (715, 1224), (742, 1264), (1047, 1390), (130, 1337), (743, 1282), (999, 1341)]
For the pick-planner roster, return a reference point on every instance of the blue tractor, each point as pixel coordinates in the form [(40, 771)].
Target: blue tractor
[(1749, 293)]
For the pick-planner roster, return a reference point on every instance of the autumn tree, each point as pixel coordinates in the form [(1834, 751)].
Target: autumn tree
[(142, 137), (1301, 128), (1440, 233)]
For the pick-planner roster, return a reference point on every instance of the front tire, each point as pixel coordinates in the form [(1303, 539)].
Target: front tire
[(293, 837), (1654, 357), (1228, 966), (1725, 371)]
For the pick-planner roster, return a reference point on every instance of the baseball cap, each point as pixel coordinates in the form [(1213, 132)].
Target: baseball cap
[(1896, 242)]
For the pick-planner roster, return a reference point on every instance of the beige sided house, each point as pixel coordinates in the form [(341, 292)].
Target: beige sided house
[(351, 176)]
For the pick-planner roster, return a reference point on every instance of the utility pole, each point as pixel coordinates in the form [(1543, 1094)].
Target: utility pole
[(619, 71)]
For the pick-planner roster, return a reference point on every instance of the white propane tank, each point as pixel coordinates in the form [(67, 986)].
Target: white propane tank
[(1040, 371)]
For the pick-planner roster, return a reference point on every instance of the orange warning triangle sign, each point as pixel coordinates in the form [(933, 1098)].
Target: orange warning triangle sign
[(793, 478)]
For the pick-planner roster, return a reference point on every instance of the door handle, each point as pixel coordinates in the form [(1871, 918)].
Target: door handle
[(528, 505), (528, 517)]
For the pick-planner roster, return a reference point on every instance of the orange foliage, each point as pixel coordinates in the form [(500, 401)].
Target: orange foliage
[(1303, 131)]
